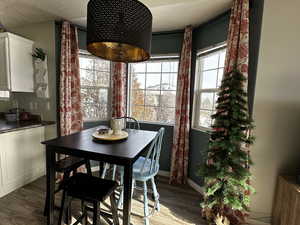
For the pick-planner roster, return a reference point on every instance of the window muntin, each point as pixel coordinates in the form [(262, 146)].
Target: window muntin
[(209, 74), (95, 87), (152, 90)]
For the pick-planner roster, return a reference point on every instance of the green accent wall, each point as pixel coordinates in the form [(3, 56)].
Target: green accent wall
[(208, 34), (166, 43)]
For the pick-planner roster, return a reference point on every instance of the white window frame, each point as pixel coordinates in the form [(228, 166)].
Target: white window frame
[(86, 54), (164, 57), (198, 83)]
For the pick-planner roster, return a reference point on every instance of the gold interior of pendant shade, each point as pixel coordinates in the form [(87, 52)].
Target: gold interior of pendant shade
[(118, 52)]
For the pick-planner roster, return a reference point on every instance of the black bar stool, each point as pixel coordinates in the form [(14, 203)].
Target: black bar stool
[(66, 166), (90, 190)]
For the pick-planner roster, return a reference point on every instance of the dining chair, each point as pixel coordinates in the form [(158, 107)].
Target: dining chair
[(129, 123), (145, 169), (66, 166)]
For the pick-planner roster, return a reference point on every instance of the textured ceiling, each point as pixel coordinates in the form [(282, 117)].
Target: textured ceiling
[(167, 14)]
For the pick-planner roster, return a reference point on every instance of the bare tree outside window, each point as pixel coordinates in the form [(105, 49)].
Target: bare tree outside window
[(153, 90), (95, 87)]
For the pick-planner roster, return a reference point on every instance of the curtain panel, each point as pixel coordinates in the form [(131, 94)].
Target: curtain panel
[(238, 39), (119, 87), (180, 149), (71, 119)]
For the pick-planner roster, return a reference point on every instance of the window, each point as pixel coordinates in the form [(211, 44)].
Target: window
[(95, 87), (209, 73), (152, 90)]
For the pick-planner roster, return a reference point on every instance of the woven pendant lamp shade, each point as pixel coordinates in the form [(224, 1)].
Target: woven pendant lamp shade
[(119, 30)]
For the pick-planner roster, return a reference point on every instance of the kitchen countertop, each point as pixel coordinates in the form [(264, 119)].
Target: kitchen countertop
[(14, 126)]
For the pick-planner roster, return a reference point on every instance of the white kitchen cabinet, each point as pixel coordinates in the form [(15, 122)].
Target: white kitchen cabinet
[(22, 158), (16, 64)]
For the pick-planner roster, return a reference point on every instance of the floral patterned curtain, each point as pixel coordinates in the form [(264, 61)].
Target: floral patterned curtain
[(71, 120), (238, 56), (238, 38), (180, 149), (119, 79)]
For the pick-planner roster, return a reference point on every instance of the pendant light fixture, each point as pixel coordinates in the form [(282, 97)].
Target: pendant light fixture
[(119, 30)]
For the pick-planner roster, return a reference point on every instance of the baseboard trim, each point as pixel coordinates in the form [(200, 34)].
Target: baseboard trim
[(195, 186), (164, 173), (190, 182)]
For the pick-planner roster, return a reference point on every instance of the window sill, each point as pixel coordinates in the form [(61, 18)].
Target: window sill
[(95, 121), (157, 123), (203, 129)]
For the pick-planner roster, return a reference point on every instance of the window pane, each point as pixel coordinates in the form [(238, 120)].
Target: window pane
[(94, 103), (209, 79), (102, 65), (138, 68), (154, 67), (222, 58), (210, 62), (87, 77), (207, 101), (86, 63), (153, 81), (95, 84), (152, 98), (102, 79), (205, 118), (167, 115), (137, 97), (169, 81), (157, 98), (137, 112), (168, 98), (151, 114), (169, 66), (138, 81)]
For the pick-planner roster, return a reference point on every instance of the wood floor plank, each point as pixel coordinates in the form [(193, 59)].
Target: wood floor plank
[(179, 206)]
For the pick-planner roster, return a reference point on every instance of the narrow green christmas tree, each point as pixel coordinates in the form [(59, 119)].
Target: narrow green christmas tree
[(227, 172)]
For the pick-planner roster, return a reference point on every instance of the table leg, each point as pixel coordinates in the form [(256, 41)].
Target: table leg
[(127, 194), (101, 168), (50, 192)]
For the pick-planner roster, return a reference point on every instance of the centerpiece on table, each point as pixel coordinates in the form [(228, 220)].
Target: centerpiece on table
[(116, 132)]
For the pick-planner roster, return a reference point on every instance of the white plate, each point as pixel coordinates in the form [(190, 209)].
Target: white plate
[(110, 136)]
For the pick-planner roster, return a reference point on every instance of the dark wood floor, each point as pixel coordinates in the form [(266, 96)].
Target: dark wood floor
[(179, 206)]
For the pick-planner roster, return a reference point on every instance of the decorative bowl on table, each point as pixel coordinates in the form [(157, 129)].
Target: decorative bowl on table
[(109, 135)]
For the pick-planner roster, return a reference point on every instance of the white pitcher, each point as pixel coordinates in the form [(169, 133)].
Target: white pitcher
[(117, 124)]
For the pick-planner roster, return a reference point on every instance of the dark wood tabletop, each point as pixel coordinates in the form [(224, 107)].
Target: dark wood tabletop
[(83, 145)]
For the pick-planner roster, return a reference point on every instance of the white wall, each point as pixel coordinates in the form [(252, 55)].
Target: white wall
[(277, 100)]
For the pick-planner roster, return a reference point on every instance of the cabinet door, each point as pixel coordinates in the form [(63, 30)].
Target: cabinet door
[(22, 158), (21, 64), (4, 66)]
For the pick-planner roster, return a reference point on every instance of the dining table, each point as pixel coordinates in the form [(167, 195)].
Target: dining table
[(82, 144)]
